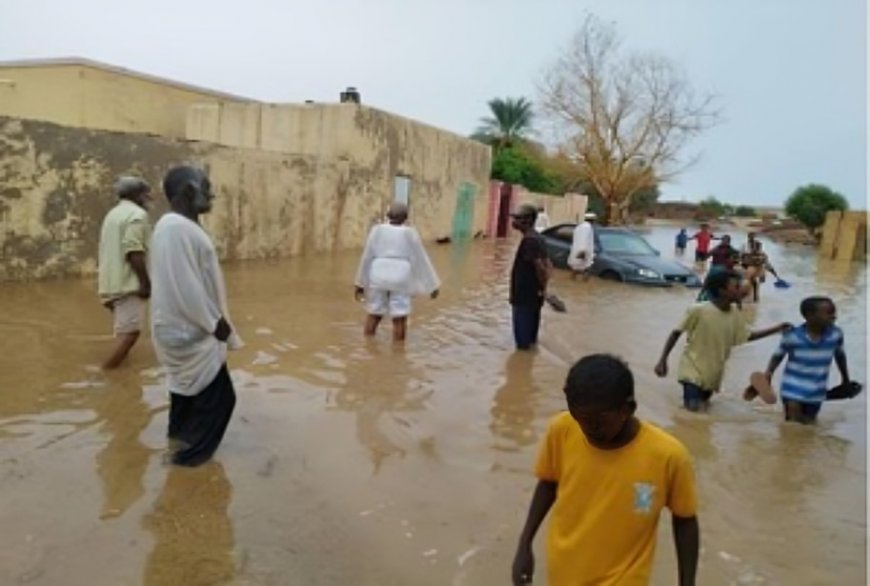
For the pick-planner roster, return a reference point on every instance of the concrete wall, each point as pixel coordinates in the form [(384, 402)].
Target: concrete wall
[(844, 236), (94, 97), (55, 188), (561, 209), (378, 144)]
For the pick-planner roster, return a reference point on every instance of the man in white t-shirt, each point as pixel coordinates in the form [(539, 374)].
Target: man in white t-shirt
[(582, 253), (394, 267), (190, 324)]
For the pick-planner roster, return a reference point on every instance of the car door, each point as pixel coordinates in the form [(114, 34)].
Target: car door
[(557, 248)]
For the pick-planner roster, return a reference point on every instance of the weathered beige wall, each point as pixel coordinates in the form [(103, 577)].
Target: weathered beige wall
[(91, 97), (560, 208), (378, 145), (56, 181), (844, 236)]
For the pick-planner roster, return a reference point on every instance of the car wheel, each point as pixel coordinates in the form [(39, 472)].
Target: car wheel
[(611, 276)]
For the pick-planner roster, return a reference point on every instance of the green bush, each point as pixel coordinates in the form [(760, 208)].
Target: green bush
[(810, 204)]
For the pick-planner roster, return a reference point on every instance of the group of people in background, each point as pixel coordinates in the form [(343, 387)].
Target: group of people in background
[(750, 261), (605, 474)]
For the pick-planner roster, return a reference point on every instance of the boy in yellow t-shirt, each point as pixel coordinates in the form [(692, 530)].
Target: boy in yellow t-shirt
[(607, 475)]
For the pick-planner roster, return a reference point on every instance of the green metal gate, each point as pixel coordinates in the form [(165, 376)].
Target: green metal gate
[(463, 216)]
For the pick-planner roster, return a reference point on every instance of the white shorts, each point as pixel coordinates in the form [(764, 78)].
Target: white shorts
[(128, 315), (381, 303)]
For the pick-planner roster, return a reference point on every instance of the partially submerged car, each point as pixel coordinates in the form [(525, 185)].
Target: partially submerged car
[(620, 255)]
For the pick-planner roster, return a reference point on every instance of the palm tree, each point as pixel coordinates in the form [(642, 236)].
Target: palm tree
[(511, 122)]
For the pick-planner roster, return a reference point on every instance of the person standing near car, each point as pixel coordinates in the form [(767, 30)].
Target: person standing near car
[(702, 246), (582, 253), (543, 220), (529, 276)]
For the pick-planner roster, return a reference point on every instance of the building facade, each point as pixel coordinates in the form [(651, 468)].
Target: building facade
[(88, 94)]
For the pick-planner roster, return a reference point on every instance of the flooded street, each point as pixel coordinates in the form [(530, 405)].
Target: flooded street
[(358, 462)]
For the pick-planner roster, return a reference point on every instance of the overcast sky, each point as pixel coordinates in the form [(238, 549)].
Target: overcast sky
[(791, 73)]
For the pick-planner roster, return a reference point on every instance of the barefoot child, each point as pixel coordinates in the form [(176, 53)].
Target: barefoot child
[(607, 476), (712, 328), (810, 347)]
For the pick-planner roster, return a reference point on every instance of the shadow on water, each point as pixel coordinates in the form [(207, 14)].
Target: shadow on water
[(192, 531), (513, 407)]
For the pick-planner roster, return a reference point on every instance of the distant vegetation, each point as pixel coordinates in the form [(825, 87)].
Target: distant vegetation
[(618, 125), (810, 204)]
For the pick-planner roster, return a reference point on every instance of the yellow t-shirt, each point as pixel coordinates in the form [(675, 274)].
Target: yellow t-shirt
[(711, 333), (604, 521), (125, 229)]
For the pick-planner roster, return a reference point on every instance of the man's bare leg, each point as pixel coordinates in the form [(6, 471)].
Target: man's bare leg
[(371, 327), (400, 327), (123, 347)]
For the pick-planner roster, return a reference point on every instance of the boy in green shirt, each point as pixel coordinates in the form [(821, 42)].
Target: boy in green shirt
[(712, 328)]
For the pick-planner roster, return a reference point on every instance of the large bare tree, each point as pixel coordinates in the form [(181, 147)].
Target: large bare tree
[(622, 121)]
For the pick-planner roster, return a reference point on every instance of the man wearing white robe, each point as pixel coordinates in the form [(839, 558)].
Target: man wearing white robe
[(543, 220), (190, 324), (582, 253), (394, 267)]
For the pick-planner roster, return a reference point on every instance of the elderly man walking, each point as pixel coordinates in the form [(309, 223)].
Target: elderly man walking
[(123, 283), (190, 324), (394, 267)]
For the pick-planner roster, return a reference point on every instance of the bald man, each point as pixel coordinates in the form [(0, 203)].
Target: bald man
[(394, 267), (190, 325), (123, 281)]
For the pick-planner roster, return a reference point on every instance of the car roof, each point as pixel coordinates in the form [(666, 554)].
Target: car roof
[(614, 229)]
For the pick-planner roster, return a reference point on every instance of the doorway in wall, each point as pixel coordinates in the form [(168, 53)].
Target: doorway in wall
[(463, 215), (402, 190), (504, 210)]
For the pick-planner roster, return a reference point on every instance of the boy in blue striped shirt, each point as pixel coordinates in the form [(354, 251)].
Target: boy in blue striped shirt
[(810, 347)]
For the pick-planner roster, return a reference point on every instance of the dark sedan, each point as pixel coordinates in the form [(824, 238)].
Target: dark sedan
[(620, 255)]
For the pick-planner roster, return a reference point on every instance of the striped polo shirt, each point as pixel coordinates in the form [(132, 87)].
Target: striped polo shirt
[(809, 363)]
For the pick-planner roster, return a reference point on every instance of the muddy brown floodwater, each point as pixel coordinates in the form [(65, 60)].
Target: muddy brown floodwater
[(354, 462)]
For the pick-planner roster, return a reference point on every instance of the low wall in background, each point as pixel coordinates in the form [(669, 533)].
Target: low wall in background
[(438, 164), (56, 186), (566, 208), (844, 236)]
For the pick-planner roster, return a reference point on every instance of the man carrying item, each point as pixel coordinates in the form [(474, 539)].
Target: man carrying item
[(606, 476), (394, 267), (582, 253), (190, 324), (123, 273), (529, 276), (809, 349)]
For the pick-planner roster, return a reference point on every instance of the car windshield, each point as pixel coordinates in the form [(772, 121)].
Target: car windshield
[(624, 243)]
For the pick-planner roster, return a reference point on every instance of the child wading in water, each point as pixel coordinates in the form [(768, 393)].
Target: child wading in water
[(810, 347), (713, 328), (607, 475)]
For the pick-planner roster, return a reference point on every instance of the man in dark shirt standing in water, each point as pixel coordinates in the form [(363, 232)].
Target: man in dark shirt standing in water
[(528, 279)]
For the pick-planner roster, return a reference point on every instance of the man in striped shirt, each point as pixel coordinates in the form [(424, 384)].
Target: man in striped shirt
[(810, 348)]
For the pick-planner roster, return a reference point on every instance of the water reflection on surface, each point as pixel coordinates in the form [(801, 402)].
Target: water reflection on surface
[(359, 462)]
